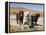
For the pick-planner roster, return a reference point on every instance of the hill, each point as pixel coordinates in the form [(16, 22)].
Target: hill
[(17, 9)]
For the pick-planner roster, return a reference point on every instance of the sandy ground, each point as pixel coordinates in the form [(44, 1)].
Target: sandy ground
[(16, 27)]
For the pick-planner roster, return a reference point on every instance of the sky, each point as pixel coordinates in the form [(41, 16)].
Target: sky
[(29, 6)]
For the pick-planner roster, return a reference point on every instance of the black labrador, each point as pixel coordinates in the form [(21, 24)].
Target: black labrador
[(34, 19)]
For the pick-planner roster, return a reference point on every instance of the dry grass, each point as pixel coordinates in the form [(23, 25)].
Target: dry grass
[(12, 29)]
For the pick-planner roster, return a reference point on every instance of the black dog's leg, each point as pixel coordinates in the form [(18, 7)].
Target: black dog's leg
[(32, 25)]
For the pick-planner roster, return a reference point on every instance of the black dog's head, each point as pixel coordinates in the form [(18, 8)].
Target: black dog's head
[(38, 15), (35, 17)]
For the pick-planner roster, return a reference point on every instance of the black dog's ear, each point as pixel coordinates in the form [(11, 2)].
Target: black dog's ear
[(38, 15)]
